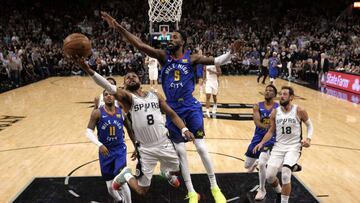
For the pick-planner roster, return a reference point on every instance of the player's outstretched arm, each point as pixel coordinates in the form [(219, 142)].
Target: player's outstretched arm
[(175, 118), (121, 95), (219, 60), (134, 40)]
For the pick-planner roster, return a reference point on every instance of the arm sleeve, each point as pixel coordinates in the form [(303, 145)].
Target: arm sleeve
[(104, 83), (91, 136), (223, 59), (309, 128)]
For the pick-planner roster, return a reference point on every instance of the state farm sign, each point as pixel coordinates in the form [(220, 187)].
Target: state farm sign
[(344, 81)]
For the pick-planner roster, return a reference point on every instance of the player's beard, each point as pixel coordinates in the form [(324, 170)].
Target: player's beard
[(284, 103), (173, 48), (110, 104), (133, 87)]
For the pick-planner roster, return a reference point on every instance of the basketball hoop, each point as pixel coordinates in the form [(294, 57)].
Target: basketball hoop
[(165, 10)]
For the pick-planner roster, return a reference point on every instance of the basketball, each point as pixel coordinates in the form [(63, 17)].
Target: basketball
[(77, 44)]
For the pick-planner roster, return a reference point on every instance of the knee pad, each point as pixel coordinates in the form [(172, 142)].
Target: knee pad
[(262, 166), (249, 162), (262, 163), (285, 175), (271, 172), (263, 159)]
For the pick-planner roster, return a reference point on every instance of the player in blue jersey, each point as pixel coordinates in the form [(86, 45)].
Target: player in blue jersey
[(108, 120), (262, 111), (178, 83), (274, 64)]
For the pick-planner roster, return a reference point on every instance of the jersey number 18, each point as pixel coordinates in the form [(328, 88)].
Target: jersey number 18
[(286, 130)]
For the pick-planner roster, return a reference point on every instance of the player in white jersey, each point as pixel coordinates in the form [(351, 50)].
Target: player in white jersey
[(286, 120), (149, 128), (153, 65), (212, 73)]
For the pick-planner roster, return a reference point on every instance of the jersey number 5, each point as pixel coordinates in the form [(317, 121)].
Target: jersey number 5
[(176, 75)]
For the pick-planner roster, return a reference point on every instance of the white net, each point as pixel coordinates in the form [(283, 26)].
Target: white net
[(165, 10)]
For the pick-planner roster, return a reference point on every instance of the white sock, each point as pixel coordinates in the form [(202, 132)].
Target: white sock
[(184, 165), (262, 177), (112, 192), (284, 199), (263, 159), (205, 158), (125, 193)]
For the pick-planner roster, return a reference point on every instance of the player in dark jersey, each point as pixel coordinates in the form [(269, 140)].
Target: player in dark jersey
[(274, 64), (109, 122), (262, 111), (178, 82)]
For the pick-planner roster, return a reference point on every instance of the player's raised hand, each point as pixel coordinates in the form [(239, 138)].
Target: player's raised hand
[(188, 135), (109, 19), (79, 60), (103, 150), (257, 148)]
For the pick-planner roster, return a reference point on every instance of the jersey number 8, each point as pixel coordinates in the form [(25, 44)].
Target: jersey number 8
[(150, 119)]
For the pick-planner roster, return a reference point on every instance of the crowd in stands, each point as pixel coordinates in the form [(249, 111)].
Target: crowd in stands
[(309, 37)]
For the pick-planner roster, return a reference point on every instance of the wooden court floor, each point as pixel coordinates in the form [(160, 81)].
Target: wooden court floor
[(42, 129)]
